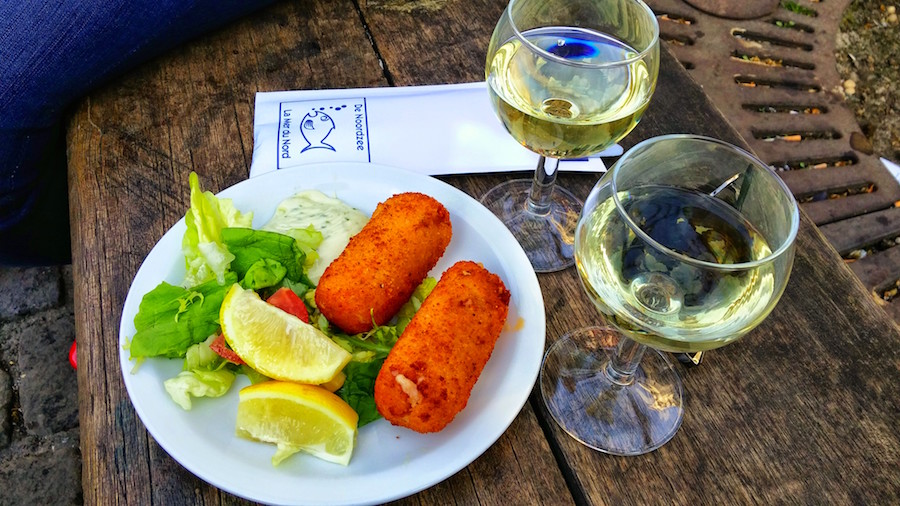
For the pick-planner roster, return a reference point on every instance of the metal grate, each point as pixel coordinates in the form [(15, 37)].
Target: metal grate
[(769, 66)]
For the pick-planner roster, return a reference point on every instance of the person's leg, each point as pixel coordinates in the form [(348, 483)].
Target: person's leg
[(38, 232), (51, 53)]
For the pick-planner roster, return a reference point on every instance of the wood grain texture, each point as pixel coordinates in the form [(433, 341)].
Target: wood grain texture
[(132, 145), (802, 410), (878, 271), (796, 412), (762, 424), (863, 231)]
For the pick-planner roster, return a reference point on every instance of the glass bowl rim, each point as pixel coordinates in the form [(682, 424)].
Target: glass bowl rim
[(654, 43), (786, 245)]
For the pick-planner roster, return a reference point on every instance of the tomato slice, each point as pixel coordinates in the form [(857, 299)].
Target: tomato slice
[(286, 300), (73, 355), (219, 347)]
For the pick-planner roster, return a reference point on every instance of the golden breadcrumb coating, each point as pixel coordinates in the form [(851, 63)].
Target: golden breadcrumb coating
[(384, 263), (428, 375)]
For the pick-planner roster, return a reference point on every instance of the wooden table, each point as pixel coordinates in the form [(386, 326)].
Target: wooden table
[(802, 410)]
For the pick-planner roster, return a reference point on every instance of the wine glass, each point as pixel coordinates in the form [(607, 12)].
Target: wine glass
[(685, 245), (568, 78)]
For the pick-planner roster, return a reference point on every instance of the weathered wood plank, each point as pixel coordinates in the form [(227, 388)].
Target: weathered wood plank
[(863, 231), (878, 271), (768, 456), (132, 145), (498, 477), (802, 410), (810, 181), (893, 309), (747, 437), (432, 42), (828, 211)]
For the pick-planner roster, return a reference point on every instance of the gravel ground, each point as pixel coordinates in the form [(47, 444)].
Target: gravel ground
[(868, 60)]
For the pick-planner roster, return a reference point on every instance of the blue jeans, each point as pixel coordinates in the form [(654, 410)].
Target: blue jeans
[(53, 52)]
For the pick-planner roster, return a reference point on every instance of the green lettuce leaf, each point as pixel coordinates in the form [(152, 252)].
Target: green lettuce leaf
[(308, 239), (377, 343), (359, 387), (252, 374), (369, 350), (404, 316), (206, 257), (263, 274), (170, 318), (198, 383), (372, 345), (201, 356), (205, 374), (249, 246), (299, 288)]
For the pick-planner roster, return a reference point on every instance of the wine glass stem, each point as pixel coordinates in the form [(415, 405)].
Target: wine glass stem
[(625, 361), (538, 201)]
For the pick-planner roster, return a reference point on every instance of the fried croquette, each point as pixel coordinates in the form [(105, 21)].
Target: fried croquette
[(384, 263), (429, 374)]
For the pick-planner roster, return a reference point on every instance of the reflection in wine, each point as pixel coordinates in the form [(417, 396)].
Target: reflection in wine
[(660, 300)]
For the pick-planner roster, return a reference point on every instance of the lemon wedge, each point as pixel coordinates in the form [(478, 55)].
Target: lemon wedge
[(278, 344), (296, 418), (336, 382)]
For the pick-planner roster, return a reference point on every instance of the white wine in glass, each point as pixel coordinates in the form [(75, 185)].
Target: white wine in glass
[(666, 303), (568, 79), (685, 245)]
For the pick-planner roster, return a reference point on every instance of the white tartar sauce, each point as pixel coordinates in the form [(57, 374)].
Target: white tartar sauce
[(335, 220)]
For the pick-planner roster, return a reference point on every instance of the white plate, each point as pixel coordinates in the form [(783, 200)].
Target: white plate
[(389, 462)]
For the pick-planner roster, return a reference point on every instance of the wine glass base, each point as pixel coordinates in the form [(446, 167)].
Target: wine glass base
[(617, 419), (548, 239)]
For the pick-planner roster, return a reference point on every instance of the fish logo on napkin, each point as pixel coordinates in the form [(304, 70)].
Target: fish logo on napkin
[(442, 129), (317, 133), (327, 131)]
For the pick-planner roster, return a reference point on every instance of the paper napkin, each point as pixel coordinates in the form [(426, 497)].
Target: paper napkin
[(434, 130)]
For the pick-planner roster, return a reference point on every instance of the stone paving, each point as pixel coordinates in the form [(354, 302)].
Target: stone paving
[(40, 459)]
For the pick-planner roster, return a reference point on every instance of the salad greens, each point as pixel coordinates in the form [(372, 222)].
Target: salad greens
[(263, 273), (369, 351), (359, 387), (249, 246), (170, 319), (221, 249), (205, 256), (204, 375)]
